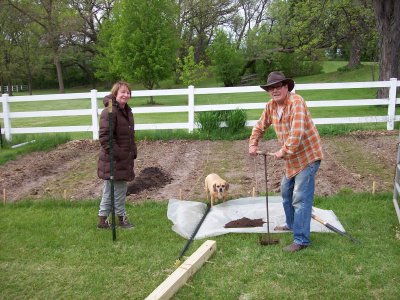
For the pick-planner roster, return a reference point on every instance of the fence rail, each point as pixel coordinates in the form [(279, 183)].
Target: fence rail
[(14, 88), (191, 108)]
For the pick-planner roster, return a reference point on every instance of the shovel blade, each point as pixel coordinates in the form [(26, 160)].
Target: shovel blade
[(266, 240)]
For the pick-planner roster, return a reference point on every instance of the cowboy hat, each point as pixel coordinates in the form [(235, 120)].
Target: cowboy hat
[(275, 77)]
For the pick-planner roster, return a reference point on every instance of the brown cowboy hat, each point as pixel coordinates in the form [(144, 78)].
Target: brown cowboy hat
[(275, 77)]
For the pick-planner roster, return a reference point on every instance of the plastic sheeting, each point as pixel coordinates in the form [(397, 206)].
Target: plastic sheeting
[(186, 215)]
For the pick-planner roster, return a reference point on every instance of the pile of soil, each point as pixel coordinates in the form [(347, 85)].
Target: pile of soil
[(245, 222), (149, 178)]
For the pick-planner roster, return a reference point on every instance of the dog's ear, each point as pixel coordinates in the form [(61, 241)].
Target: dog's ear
[(226, 186), (215, 187)]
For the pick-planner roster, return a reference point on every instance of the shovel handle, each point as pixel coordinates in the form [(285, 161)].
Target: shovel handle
[(259, 152), (334, 229)]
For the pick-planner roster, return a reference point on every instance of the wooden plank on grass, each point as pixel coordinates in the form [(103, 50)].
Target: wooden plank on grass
[(186, 270)]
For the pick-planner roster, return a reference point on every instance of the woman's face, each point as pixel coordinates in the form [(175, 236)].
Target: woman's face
[(123, 95)]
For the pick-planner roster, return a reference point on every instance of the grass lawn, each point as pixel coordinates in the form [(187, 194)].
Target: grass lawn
[(367, 72), (51, 249)]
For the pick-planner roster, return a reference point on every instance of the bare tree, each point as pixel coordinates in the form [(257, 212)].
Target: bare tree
[(199, 20), (250, 13)]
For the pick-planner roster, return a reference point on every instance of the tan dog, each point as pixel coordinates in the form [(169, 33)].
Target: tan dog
[(216, 187)]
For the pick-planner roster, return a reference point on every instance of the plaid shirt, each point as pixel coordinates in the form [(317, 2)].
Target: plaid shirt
[(297, 135)]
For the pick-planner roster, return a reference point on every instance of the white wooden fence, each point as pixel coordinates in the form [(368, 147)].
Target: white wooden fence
[(191, 108)]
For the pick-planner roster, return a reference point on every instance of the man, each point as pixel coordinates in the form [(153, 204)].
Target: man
[(300, 148)]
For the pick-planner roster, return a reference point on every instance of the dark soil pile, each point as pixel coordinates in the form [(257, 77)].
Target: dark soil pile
[(245, 222), (149, 178)]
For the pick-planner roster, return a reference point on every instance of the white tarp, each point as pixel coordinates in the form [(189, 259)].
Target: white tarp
[(186, 215)]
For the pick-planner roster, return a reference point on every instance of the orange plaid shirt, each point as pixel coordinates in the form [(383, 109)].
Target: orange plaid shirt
[(297, 135)]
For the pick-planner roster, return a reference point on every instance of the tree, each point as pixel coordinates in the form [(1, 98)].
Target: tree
[(309, 26), (226, 58), (56, 20), (387, 14), (199, 20), (91, 15), (139, 42), (249, 15), (190, 71)]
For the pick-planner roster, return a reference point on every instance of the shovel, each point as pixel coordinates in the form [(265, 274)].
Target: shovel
[(110, 142), (266, 240)]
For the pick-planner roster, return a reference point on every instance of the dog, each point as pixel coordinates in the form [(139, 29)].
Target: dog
[(216, 187)]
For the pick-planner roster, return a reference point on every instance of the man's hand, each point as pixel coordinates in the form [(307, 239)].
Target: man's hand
[(253, 150), (278, 154)]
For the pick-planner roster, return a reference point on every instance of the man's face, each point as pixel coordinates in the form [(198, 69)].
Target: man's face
[(278, 92)]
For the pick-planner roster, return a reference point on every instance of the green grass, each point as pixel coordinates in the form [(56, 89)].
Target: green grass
[(51, 249), (38, 142)]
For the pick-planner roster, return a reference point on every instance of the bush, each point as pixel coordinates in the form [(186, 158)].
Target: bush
[(210, 121), (236, 120), (291, 64)]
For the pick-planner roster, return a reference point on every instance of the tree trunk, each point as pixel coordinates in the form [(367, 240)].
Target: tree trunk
[(355, 53), (59, 73), (9, 84), (30, 77), (387, 13)]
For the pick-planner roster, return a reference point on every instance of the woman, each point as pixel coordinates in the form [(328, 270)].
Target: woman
[(124, 153)]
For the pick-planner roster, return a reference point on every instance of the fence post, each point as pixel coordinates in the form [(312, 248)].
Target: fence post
[(191, 107), (6, 117), (392, 104), (95, 120)]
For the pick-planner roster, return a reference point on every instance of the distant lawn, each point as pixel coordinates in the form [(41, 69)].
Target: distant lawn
[(367, 72), (52, 250)]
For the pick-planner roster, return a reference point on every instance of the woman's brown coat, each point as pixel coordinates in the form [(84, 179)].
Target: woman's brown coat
[(124, 146)]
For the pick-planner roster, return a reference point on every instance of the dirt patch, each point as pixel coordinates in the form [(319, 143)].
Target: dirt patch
[(176, 169)]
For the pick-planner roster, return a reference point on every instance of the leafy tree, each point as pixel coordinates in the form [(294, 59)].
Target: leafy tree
[(56, 21), (19, 46), (139, 42), (227, 59), (190, 71), (305, 27)]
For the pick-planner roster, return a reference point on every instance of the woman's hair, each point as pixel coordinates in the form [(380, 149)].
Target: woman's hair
[(118, 85)]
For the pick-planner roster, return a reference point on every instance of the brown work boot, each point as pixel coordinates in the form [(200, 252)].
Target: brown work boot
[(124, 223), (103, 223), (294, 248)]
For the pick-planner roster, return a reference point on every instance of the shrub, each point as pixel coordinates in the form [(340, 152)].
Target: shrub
[(236, 120), (210, 121)]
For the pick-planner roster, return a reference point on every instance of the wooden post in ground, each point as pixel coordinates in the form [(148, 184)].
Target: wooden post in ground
[(254, 192), (174, 282), (373, 187), (180, 194), (4, 196)]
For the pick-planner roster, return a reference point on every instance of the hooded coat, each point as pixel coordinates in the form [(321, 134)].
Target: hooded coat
[(123, 143)]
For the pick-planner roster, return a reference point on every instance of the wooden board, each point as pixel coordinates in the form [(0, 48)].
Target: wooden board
[(186, 270)]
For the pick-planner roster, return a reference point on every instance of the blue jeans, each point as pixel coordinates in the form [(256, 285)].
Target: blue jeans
[(298, 197), (120, 188)]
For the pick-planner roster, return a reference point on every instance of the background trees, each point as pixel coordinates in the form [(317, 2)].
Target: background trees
[(139, 42), (82, 41)]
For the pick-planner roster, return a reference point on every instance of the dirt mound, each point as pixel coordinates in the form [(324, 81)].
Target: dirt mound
[(148, 179), (245, 222)]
